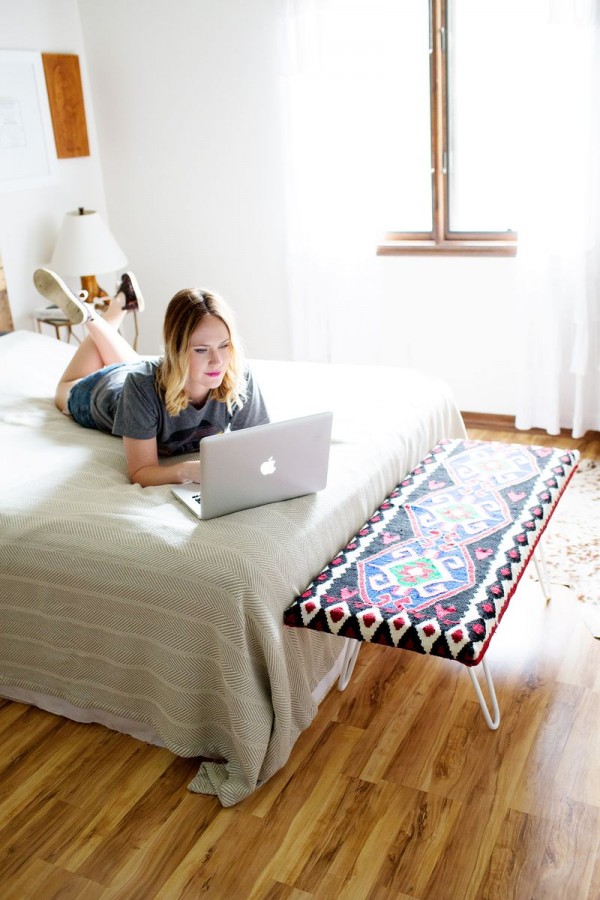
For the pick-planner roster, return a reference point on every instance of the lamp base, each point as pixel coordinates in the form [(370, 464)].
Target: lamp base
[(89, 284)]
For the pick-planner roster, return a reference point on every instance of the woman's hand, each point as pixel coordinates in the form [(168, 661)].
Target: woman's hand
[(144, 468), (188, 470)]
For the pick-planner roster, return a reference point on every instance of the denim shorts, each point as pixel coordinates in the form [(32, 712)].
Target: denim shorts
[(80, 395)]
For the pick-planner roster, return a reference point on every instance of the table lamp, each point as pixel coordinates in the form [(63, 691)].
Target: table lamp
[(85, 246)]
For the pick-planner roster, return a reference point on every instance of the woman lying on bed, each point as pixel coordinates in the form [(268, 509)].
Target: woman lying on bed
[(161, 406)]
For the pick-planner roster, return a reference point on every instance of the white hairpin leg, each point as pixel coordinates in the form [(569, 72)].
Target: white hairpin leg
[(350, 656), (491, 722), (542, 573)]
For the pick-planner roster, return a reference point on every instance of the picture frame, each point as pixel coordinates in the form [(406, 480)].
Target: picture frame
[(27, 152)]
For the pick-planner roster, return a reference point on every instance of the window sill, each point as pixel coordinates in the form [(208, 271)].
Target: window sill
[(447, 248)]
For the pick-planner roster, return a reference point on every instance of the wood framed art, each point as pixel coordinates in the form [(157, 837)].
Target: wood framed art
[(65, 94), (27, 154)]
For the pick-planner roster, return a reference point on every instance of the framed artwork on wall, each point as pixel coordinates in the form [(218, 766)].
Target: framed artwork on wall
[(65, 94), (27, 152)]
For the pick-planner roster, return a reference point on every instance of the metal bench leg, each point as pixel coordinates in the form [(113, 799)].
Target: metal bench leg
[(350, 656), (491, 722), (542, 573)]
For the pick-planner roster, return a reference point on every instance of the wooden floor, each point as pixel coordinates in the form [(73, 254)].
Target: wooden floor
[(397, 790)]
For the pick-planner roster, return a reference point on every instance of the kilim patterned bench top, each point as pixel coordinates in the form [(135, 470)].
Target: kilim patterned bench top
[(434, 567)]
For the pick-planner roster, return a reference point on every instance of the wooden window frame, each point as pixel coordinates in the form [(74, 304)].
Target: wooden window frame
[(442, 241)]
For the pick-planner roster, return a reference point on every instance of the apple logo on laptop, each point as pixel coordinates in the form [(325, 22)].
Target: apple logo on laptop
[(268, 467)]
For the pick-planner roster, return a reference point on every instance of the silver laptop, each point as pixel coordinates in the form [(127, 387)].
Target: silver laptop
[(263, 464)]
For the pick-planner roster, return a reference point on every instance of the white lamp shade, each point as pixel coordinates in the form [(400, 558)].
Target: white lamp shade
[(85, 246)]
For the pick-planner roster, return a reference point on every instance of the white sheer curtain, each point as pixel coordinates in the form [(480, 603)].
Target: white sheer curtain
[(340, 73), (559, 228), (343, 93)]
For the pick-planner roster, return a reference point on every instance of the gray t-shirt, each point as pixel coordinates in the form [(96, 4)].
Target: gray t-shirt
[(125, 402)]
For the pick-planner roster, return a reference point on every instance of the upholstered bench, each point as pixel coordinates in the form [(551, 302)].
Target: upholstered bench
[(435, 566)]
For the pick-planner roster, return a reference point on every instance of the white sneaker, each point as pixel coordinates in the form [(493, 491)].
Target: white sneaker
[(53, 288)]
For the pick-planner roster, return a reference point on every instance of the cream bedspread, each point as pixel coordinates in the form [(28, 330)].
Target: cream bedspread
[(114, 597)]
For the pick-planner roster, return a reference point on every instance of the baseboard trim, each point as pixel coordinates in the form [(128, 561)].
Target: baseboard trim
[(490, 421), (497, 422)]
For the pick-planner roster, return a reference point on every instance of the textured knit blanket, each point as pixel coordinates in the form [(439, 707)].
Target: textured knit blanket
[(433, 569), (119, 606)]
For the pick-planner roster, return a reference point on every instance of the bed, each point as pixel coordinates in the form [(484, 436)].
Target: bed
[(118, 606)]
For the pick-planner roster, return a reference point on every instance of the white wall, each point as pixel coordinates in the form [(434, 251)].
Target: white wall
[(29, 219), (189, 125), (185, 94), (183, 108), (458, 317)]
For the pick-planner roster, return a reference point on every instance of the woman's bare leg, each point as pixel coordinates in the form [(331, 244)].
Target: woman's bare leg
[(103, 345)]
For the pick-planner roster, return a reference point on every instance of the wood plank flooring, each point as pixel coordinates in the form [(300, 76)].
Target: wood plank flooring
[(397, 790)]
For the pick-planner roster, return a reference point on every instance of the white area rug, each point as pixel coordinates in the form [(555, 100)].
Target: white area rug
[(572, 539)]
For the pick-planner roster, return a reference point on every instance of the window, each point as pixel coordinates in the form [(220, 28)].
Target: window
[(463, 176)]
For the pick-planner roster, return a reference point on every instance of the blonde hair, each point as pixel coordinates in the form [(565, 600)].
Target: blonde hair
[(184, 313)]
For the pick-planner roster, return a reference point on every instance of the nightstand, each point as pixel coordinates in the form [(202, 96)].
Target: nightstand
[(57, 324)]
